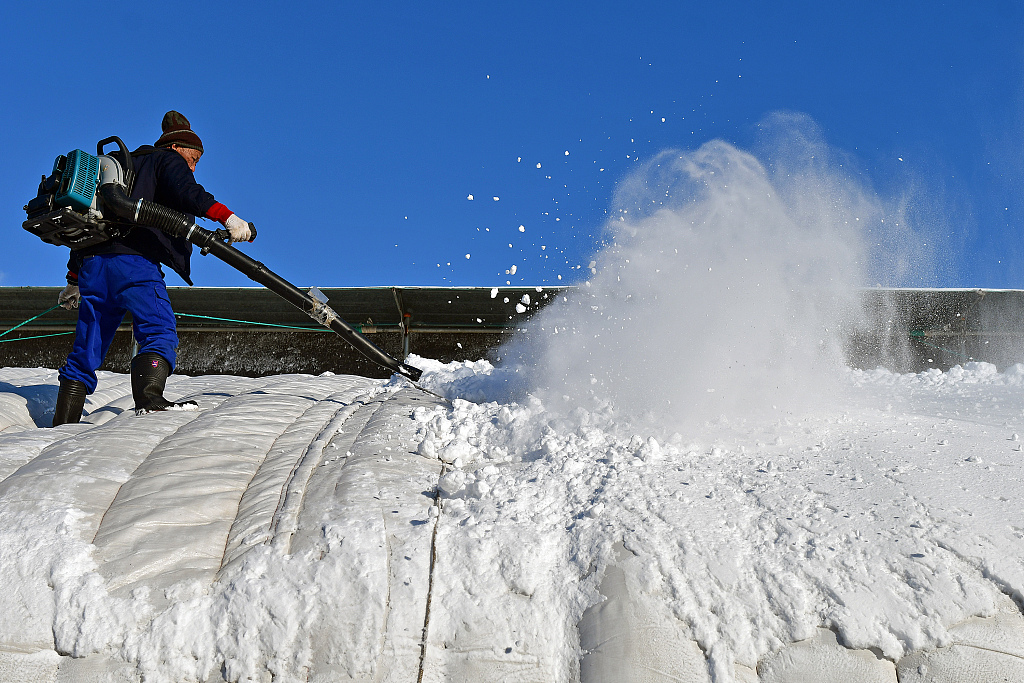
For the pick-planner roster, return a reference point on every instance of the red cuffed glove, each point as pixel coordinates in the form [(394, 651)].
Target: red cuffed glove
[(218, 212)]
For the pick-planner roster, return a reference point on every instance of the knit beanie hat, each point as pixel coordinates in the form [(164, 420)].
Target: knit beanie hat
[(178, 131)]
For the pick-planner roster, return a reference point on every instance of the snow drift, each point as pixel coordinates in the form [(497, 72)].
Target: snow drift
[(336, 529)]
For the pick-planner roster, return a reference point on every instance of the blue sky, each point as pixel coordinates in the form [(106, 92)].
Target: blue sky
[(352, 135)]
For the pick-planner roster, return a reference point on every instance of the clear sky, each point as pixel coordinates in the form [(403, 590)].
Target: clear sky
[(353, 135)]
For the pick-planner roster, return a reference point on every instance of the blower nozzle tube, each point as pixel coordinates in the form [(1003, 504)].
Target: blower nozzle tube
[(177, 224)]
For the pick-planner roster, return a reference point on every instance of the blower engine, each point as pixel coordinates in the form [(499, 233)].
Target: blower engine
[(68, 210)]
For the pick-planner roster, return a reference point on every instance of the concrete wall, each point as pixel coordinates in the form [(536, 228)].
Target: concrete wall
[(910, 330), (906, 330)]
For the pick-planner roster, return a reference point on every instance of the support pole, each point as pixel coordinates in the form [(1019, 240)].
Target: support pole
[(406, 322)]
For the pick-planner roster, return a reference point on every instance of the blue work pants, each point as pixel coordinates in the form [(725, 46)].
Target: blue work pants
[(110, 285)]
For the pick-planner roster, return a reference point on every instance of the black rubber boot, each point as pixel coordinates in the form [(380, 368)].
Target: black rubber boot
[(70, 402), (149, 375)]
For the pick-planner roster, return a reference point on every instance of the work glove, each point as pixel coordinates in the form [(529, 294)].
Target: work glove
[(70, 297), (238, 229)]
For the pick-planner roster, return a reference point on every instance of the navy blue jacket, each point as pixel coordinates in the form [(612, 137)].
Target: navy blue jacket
[(161, 176)]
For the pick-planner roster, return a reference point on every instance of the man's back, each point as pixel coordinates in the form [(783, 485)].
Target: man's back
[(164, 177)]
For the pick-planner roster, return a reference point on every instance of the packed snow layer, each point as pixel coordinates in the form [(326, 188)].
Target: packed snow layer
[(336, 528)]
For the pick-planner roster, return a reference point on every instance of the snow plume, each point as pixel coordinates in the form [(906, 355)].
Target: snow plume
[(726, 287)]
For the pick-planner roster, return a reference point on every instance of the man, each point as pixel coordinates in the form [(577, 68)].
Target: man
[(124, 274)]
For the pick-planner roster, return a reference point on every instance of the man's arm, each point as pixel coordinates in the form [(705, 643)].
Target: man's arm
[(70, 297), (193, 198), (176, 186), (72, 276)]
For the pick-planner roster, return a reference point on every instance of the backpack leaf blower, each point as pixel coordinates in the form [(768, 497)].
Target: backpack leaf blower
[(85, 201)]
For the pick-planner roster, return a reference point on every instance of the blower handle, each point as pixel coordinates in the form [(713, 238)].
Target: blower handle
[(224, 236), (129, 174)]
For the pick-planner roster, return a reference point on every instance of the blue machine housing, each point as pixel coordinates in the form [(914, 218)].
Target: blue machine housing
[(80, 178), (67, 209)]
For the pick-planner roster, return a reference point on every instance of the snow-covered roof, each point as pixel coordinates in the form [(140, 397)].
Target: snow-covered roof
[(338, 528)]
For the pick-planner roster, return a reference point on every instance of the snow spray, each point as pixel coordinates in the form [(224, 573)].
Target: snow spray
[(726, 288)]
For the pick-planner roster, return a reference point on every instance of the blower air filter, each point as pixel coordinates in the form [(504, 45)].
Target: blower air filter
[(78, 184)]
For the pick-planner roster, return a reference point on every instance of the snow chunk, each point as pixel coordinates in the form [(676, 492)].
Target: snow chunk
[(452, 483)]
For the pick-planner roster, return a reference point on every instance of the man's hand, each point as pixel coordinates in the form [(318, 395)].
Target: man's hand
[(238, 229), (70, 297)]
